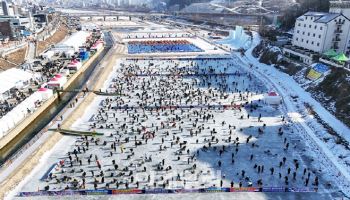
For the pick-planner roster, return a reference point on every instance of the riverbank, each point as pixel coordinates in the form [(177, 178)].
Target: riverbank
[(33, 159)]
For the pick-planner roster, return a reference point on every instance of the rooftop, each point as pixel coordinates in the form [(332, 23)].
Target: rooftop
[(322, 17), (203, 8), (10, 17)]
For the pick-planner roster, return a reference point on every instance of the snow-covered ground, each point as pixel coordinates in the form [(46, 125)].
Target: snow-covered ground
[(161, 132), (295, 98), (116, 23), (231, 132), (237, 39)]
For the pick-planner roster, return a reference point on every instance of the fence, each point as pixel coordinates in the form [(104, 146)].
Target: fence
[(165, 191), (7, 49)]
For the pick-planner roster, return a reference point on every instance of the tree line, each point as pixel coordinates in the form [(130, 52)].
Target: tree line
[(289, 15)]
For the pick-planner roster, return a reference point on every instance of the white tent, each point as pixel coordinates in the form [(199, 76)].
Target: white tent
[(97, 46), (58, 81), (69, 53), (89, 27), (48, 55), (272, 98), (18, 113), (45, 93), (76, 40), (13, 78), (74, 65)]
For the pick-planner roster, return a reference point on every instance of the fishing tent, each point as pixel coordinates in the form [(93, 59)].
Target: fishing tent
[(272, 98), (13, 78)]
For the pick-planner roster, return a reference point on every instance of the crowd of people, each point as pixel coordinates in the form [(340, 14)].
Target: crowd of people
[(208, 128), (152, 46), (140, 35), (159, 42), (16, 97)]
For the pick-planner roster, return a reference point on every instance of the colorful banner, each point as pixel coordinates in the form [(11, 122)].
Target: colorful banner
[(96, 192), (158, 191), (313, 75), (127, 191), (163, 191), (245, 189), (273, 189), (317, 71)]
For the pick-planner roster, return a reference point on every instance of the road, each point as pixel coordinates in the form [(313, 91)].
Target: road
[(31, 52)]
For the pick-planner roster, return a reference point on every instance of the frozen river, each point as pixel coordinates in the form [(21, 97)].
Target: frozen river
[(192, 123), (183, 123)]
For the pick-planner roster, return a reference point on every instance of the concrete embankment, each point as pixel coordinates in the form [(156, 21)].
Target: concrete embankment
[(32, 160), (31, 125)]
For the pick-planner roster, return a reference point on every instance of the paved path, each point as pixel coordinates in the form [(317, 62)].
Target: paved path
[(95, 84), (31, 51)]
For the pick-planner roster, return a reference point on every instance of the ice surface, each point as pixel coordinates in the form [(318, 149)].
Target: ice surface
[(169, 87)]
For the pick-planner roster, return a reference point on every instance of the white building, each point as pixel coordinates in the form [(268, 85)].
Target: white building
[(320, 32), (316, 33)]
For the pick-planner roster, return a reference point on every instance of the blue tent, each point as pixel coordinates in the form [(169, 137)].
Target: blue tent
[(321, 68), (26, 33)]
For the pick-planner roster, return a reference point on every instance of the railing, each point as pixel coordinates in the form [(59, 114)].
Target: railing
[(7, 49), (339, 23), (331, 62), (338, 31)]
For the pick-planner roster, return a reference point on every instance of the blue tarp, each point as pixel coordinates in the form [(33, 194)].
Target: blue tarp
[(26, 33), (142, 48), (320, 68), (84, 55)]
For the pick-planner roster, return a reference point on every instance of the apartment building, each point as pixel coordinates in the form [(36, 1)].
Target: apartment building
[(318, 32)]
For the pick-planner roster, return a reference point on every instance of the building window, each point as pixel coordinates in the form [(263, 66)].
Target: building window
[(318, 44), (315, 27), (321, 28), (314, 35), (304, 25), (303, 32), (299, 24), (308, 34), (307, 41), (319, 36), (298, 31), (302, 40), (309, 26), (296, 39), (306, 18), (312, 42)]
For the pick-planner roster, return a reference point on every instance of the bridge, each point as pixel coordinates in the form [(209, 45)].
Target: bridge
[(230, 18), (112, 16), (116, 14)]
